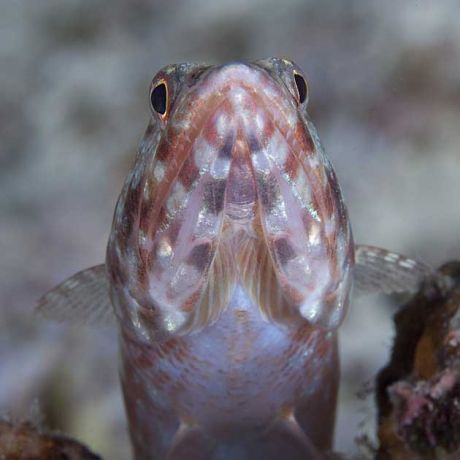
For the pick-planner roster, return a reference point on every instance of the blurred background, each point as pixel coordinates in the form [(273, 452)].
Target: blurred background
[(384, 93)]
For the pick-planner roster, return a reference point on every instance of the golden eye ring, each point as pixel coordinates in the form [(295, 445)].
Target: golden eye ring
[(159, 98)]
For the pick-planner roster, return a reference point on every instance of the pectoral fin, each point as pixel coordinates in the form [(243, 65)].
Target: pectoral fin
[(81, 299), (378, 270)]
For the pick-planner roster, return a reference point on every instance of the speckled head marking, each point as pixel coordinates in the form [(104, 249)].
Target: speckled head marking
[(230, 188)]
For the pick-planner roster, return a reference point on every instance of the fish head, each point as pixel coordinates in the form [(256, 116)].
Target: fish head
[(230, 187)]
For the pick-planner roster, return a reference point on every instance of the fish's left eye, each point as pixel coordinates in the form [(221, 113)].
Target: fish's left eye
[(159, 98), (302, 88)]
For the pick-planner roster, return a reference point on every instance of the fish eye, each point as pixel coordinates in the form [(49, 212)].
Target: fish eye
[(302, 88), (159, 98)]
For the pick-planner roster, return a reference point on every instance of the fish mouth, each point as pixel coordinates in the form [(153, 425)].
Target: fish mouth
[(227, 119)]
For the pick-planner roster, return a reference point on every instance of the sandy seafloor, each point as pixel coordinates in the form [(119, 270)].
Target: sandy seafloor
[(385, 95)]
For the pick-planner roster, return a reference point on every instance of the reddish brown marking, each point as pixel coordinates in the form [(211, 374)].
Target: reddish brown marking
[(140, 288), (189, 303), (301, 334), (268, 132), (168, 346), (162, 378), (292, 165), (149, 257), (189, 173), (317, 200), (209, 132), (163, 152), (180, 352), (307, 219), (129, 216), (144, 360), (304, 134)]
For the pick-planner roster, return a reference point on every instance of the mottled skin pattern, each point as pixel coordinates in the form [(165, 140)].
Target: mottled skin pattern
[(230, 264)]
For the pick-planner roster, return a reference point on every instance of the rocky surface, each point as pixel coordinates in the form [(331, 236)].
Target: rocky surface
[(418, 392), (23, 441)]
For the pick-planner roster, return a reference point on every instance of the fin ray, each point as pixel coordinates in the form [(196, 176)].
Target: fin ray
[(379, 270), (81, 299)]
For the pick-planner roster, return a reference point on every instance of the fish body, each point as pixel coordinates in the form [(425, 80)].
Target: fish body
[(229, 265), (230, 259), (240, 385)]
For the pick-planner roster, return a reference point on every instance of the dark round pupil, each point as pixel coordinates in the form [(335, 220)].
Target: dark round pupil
[(301, 87), (158, 98)]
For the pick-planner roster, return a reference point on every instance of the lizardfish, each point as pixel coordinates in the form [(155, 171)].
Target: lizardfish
[(229, 270)]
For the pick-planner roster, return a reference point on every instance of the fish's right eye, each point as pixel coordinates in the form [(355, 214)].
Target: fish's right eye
[(302, 88), (159, 98)]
